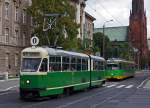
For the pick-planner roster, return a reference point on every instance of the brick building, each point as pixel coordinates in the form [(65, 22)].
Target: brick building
[(15, 29), (135, 34), (138, 30)]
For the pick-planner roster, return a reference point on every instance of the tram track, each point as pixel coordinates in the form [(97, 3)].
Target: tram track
[(77, 96), (102, 97), (98, 105)]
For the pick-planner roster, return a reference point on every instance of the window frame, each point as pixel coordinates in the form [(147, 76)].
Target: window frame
[(16, 14), (6, 10), (6, 35)]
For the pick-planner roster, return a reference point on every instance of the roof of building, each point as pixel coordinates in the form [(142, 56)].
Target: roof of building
[(115, 33), (89, 16)]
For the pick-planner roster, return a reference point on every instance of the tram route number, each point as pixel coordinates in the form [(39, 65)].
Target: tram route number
[(34, 41)]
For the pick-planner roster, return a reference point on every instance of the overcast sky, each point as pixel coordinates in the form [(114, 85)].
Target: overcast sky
[(118, 10)]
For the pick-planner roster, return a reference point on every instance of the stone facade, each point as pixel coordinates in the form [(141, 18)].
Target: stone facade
[(15, 32), (80, 15), (16, 28), (85, 21), (88, 30), (138, 30)]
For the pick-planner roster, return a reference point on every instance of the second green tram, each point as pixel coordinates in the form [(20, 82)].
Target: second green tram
[(120, 69), (48, 71)]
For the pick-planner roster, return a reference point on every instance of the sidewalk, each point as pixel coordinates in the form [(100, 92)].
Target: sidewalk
[(147, 85), (9, 84)]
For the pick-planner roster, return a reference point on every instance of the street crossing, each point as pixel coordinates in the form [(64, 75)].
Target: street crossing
[(118, 86)]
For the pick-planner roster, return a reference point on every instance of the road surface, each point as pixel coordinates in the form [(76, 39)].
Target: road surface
[(129, 93)]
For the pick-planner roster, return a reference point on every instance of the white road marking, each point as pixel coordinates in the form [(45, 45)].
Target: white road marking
[(120, 86), (143, 82), (130, 86), (9, 88), (111, 86), (12, 87)]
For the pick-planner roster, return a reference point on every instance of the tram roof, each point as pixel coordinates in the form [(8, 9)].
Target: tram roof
[(52, 51), (97, 57), (119, 60), (55, 52)]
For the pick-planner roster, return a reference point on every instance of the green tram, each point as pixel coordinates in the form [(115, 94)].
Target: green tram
[(48, 71), (120, 69)]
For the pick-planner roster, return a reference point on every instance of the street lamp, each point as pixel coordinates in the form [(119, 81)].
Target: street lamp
[(104, 36)]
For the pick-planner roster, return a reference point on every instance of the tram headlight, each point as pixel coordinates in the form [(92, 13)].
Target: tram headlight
[(27, 81)]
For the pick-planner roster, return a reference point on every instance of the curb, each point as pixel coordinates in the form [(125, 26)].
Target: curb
[(9, 80)]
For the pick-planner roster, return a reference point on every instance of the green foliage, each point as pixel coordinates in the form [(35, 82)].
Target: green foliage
[(98, 42), (41, 7), (122, 50)]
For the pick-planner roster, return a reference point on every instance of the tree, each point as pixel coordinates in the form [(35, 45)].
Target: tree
[(98, 42), (122, 50), (41, 7)]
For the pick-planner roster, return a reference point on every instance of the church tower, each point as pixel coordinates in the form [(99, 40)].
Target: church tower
[(138, 31)]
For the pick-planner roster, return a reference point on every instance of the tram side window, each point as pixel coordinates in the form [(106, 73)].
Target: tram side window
[(65, 64), (84, 64), (133, 66), (126, 66), (95, 65), (43, 67), (120, 66), (55, 63), (73, 64), (101, 65), (79, 64)]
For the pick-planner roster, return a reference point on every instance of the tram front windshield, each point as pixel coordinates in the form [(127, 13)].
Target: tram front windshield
[(112, 66), (30, 64)]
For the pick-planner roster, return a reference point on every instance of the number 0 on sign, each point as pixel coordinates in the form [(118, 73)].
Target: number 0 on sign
[(34, 41)]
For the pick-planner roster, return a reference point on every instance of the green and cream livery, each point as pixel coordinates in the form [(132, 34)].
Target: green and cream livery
[(48, 71), (120, 69)]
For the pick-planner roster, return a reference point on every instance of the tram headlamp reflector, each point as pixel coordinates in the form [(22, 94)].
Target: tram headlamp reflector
[(27, 81)]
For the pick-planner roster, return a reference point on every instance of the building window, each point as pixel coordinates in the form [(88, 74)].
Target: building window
[(16, 14), (6, 10), (16, 36), (31, 21), (24, 16), (0, 13), (6, 35), (7, 60), (16, 60), (24, 39)]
